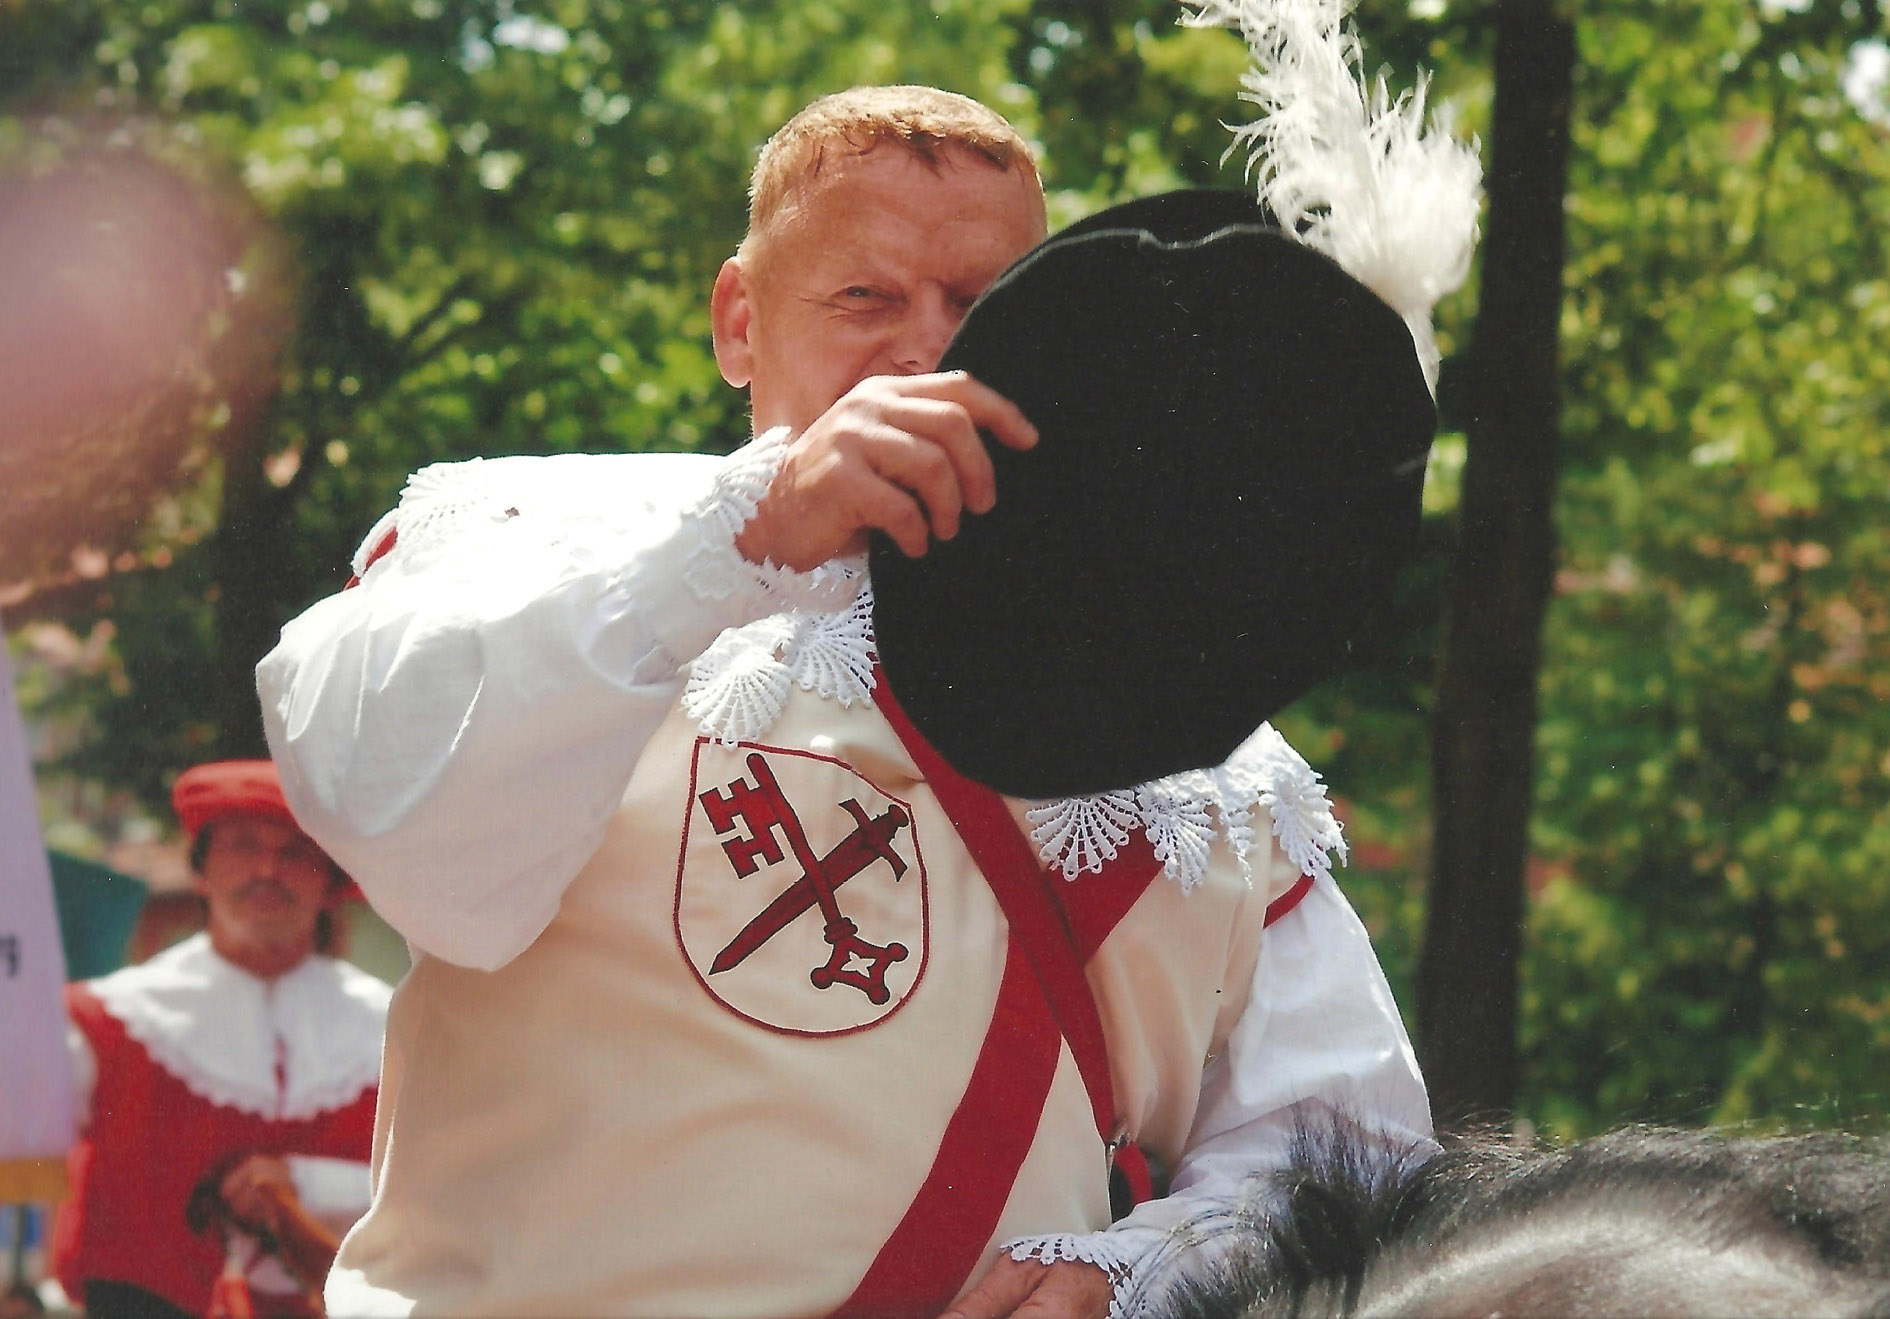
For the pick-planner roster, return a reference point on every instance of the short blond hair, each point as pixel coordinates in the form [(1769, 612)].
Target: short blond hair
[(923, 120)]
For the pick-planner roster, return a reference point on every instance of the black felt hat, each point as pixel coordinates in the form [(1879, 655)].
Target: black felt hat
[(1234, 433)]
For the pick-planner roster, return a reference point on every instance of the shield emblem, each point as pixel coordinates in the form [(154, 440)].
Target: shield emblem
[(801, 900)]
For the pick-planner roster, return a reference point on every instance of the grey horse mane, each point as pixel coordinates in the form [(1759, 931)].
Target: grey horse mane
[(1685, 1222)]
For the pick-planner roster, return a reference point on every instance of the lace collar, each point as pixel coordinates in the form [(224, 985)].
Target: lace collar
[(224, 1033), (738, 688)]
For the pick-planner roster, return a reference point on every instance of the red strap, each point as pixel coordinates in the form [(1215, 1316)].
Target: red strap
[(1094, 904), (1289, 899), (948, 1227), (1038, 920), (381, 547)]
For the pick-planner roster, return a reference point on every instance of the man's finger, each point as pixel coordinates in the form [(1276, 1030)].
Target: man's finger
[(948, 427), (928, 470), (892, 510), (1006, 1287), (1069, 1291), (989, 409)]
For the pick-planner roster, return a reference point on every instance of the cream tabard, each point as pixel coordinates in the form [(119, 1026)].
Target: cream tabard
[(609, 1125)]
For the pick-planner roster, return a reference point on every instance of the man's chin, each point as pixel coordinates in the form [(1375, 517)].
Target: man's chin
[(263, 896)]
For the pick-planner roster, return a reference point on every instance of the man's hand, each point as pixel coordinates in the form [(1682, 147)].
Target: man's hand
[(896, 453), (261, 1195), (1030, 1290), (256, 1188)]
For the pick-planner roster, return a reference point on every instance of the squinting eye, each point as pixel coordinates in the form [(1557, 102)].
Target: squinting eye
[(858, 291)]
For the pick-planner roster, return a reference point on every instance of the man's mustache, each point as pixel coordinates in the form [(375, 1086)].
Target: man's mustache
[(250, 888)]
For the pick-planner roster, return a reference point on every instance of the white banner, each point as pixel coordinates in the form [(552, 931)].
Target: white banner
[(36, 1096)]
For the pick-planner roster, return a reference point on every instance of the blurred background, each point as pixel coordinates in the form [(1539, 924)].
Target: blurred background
[(1616, 769)]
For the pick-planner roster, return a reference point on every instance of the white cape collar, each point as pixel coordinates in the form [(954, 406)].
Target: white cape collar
[(304, 1044), (739, 686)]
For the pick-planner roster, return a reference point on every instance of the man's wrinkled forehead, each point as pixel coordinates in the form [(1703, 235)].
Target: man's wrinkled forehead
[(796, 206), (924, 119), (943, 129)]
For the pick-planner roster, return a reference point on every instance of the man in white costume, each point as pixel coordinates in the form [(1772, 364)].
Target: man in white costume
[(715, 1010)]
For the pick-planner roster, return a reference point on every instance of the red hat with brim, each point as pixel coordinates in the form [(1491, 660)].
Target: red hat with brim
[(204, 794)]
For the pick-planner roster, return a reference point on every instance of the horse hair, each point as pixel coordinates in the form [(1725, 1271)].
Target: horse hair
[(1639, 1221)]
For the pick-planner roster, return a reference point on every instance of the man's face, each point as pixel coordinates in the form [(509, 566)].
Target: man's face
[(266, 881), (868, 274)]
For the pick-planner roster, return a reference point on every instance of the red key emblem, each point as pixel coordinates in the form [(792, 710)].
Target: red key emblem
[(864, 933), (764, 807)]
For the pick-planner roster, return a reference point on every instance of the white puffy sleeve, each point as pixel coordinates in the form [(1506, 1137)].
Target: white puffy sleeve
[(457, 728), (1319, 1040)]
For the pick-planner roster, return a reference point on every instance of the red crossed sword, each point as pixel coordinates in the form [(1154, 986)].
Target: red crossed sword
[(870, 841)]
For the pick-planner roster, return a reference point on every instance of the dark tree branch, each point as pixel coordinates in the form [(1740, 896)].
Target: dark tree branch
[(431, 317)]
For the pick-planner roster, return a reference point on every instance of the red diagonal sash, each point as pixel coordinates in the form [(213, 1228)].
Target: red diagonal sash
[(1044, 999), (949, 1224), (1037, 918)]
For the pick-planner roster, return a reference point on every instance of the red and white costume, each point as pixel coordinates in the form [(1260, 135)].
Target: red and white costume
[(187, 1064), (572, 746)]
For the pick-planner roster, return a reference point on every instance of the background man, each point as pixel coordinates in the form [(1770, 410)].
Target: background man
[(571, 745), (228, 1084)]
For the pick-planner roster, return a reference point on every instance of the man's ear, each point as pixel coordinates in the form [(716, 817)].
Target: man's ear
[(730, 312)]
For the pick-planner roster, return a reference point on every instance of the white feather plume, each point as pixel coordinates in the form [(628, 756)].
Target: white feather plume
[(1352, 171)]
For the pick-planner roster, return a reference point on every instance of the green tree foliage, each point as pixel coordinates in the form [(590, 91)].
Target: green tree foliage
[(1713, 788), (499, 222)]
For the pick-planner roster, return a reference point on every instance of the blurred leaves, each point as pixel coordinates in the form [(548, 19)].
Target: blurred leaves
[(140, 292), (1712, 785), (497, 224)]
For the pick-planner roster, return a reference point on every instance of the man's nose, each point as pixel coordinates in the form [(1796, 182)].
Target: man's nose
[(930, 321)]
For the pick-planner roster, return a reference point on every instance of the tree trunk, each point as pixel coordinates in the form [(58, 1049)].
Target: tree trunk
[(1484, 723)]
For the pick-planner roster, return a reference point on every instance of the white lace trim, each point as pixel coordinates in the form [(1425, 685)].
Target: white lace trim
[(716, 569), (738, 688), (1081, 833), (221, 1031), (570, 496), (1097, 1248)]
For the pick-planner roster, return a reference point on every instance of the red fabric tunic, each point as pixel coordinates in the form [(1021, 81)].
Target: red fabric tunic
[(151, 1140)]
